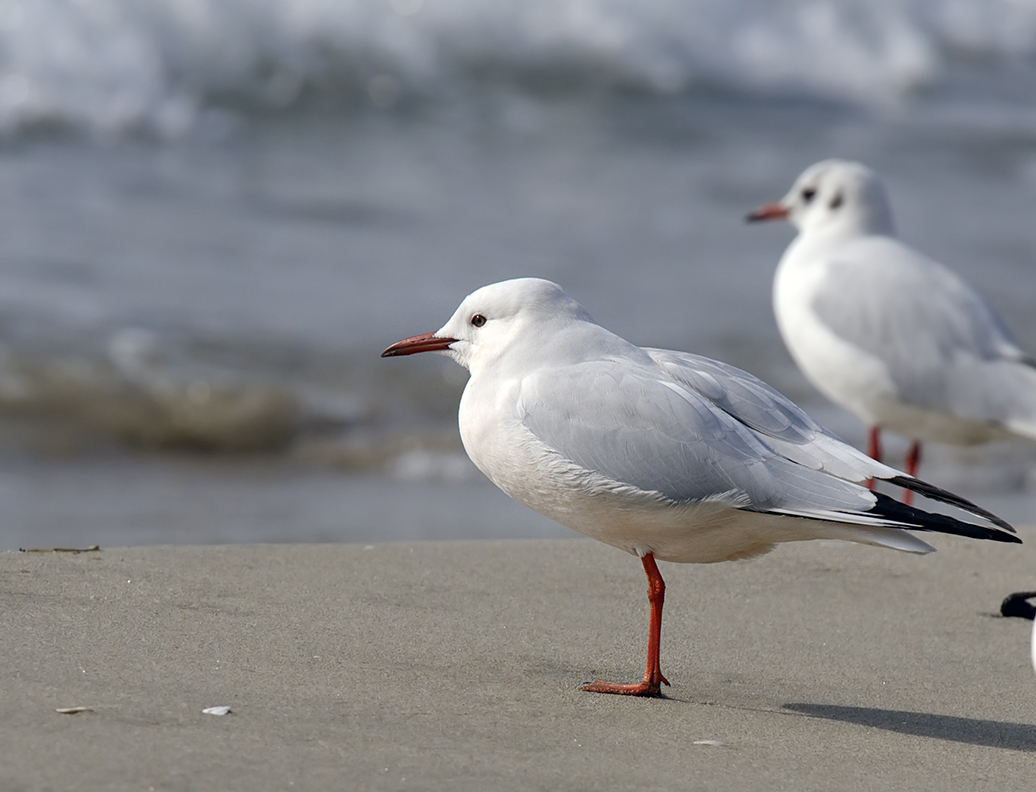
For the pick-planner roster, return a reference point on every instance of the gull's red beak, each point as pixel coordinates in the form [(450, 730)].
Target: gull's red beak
[(426, 342), (770, 211)]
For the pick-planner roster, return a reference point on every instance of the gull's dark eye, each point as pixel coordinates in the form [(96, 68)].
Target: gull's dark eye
[(836, 201), (808, 194), (478, 320)]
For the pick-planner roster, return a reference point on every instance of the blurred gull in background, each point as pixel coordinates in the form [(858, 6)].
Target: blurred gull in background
[(886, 332)]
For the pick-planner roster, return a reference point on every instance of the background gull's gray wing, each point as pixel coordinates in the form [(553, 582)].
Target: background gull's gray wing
[(641, 427), (943, 347)]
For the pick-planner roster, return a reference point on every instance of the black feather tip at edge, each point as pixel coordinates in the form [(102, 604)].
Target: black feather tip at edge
[(1017, 605), (917, 520), (943, 496)]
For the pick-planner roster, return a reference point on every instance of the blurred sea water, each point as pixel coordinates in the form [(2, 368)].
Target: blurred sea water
[(214, 215)]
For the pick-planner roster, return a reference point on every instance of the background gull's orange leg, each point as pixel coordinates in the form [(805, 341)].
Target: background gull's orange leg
[(873, 449), (913, 459)]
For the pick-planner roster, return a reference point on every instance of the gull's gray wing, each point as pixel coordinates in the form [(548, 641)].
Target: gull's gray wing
[(640, 426), (777, 420), (942, 346)]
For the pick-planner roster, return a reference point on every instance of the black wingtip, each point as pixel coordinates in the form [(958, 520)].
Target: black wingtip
[(944, 496), (919, 520)]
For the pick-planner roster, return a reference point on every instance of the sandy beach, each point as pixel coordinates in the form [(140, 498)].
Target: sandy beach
[(456, 666)]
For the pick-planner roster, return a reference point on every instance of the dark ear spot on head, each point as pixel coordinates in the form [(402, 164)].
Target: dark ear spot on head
[(836, 201)]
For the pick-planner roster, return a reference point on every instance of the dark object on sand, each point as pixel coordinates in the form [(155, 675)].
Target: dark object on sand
[(1018, 605)]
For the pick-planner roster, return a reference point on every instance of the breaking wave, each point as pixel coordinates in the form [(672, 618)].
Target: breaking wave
[(150, 394), (170, 67)]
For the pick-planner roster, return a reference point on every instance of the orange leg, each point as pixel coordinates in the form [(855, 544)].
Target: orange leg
[(873, 449), (653, 679), (913, 460)]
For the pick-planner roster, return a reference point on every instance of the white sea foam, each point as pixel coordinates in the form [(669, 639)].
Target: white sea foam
[(112, 65)]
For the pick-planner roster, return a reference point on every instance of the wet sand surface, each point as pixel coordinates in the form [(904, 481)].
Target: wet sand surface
[(456, 665)]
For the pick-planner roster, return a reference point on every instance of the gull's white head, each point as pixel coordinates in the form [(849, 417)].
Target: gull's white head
[(834, 196), (502, 317)]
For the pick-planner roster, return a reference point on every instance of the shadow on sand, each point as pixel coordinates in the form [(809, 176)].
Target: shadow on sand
[(996, 734)]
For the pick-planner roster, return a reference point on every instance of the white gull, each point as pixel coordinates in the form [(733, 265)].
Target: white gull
[(663, 454), (886, 332)]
